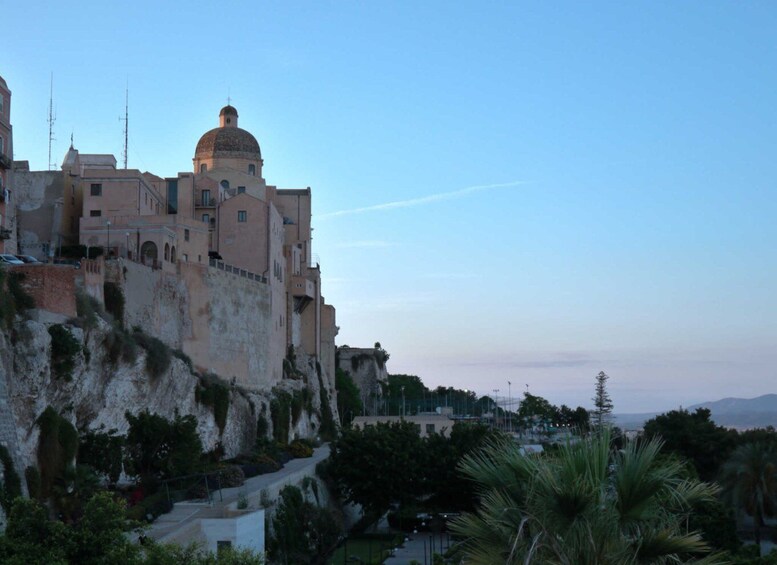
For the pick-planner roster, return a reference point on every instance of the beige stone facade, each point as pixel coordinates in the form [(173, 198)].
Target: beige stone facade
[(205, 232), (7, 209)]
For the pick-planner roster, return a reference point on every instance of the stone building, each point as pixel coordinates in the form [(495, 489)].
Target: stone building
[(7, 209), (223, 216)]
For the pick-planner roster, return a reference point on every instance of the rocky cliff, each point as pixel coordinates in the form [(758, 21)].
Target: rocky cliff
[(105, 379)]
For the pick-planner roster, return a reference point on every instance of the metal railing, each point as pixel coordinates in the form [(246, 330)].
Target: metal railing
[(237, 271)]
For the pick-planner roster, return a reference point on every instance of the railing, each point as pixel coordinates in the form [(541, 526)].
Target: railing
[(221, 266), (5, 161), (205, 203)]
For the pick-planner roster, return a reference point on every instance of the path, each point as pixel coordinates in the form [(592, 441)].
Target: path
[(185, 513)]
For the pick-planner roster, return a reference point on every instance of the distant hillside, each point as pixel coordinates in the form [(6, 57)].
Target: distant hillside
[(738, 413)]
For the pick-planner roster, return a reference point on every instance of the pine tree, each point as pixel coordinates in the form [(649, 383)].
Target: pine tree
[(602, 402)]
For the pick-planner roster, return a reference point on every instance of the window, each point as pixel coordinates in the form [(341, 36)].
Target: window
[(185, 256), (2, 103), (429, 429), (186, 235), (241, 189), (167, 251), (203, 168), (1, 145), (95, 213), (206, 218), (225, 184), (252, 170), (242, 216), (172, 196), (206, 197), (97, 189)]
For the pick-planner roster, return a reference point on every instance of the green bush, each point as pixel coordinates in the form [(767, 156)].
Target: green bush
[(12, 484), (152, 506), (57, 446), (64, 348), (114, 301), (214, 393), (231, 476), (120, 345), (280, 413), (185, 358), (158, 354), (300, 449), (13, 298), (32, 477)]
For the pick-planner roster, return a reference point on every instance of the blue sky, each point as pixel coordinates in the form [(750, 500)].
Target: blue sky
[(524, 192)]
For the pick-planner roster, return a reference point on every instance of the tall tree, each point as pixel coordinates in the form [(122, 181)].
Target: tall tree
[(584, 505), (749, 478), (602, 402)]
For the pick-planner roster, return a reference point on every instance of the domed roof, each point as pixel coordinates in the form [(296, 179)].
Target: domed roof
[(228, 142)]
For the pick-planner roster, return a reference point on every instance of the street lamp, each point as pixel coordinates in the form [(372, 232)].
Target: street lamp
[(108, 252)]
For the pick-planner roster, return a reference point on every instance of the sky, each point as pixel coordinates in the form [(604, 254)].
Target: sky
[(506, 195)]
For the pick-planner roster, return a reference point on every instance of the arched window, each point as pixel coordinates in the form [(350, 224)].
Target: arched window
[(167, 251), (172, 254), (225, 184), (252, 170), (204, 168)]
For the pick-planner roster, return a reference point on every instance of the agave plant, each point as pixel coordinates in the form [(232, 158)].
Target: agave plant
[(584, 505)]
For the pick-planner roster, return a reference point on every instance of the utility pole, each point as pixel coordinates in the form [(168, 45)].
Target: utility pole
[(496, 404), (52, 119), (126, 124)]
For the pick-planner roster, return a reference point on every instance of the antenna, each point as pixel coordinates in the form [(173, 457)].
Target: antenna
[(52, 119), (126, 123)]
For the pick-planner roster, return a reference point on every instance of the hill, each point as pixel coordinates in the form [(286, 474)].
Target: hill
[(740, 413)]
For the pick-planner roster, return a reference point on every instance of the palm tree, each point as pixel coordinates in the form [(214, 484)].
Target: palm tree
[(585, 505), (749, 480)]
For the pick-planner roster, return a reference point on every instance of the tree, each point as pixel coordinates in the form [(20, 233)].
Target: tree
[(749, 478), (349, 402), (602, 402), (694, 437), (584, 505), (378, 466)]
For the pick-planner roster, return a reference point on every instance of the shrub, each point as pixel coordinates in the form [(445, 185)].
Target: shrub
[(300, 449), (120, 345), (12, 485), (57, 447), (114, 301), (231, 476), (213, 392), (87, 309), (185, 358), (64, 348), (32, 477), (13, 298), (153, 507), (158, 354)]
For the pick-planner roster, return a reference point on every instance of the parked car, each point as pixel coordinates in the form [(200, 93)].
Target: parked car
[(9, 259), (28, 259)]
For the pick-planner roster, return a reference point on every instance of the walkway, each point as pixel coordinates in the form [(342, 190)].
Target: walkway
[(184, 514)]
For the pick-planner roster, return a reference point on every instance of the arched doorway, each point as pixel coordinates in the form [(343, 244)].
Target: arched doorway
[(148, 253)]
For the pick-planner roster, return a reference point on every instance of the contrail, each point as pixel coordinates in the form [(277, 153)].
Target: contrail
[(422, 200)]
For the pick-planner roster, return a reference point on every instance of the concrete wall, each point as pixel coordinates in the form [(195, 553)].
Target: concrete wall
[(243, 532), (39, 197)]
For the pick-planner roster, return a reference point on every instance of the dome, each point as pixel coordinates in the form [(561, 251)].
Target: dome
[(228, 142)]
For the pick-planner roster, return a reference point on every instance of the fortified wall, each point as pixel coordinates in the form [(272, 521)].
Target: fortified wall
[(219, 317), (367, 367)]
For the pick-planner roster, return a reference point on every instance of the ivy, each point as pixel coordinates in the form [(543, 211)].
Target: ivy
[(114, 301), (12, 484), (57, 446)]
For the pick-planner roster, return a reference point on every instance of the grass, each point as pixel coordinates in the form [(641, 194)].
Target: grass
[(372, 549)]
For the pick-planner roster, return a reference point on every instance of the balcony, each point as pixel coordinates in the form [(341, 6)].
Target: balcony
[(5, 161), (205, 203), (5, 233)]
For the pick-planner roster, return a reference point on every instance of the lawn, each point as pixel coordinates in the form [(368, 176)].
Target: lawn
[(370, 549)]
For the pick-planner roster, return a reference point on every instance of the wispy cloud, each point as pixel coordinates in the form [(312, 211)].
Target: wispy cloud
[(423, 200), (367, 244)]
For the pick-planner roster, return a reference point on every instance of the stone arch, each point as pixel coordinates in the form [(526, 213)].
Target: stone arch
[(167, 251), (148, 251)]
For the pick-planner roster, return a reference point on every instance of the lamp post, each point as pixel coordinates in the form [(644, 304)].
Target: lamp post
[(108, 252), (403, 401), (509, 407)]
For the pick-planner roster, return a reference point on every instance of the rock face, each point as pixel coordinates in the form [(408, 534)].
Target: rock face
[(367, 368), (99, 392)]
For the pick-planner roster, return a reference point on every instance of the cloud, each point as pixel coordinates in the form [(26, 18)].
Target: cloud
[(367, 244), (423, 200)]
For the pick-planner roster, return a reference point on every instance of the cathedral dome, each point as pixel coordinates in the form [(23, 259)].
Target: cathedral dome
[(228, 140)]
